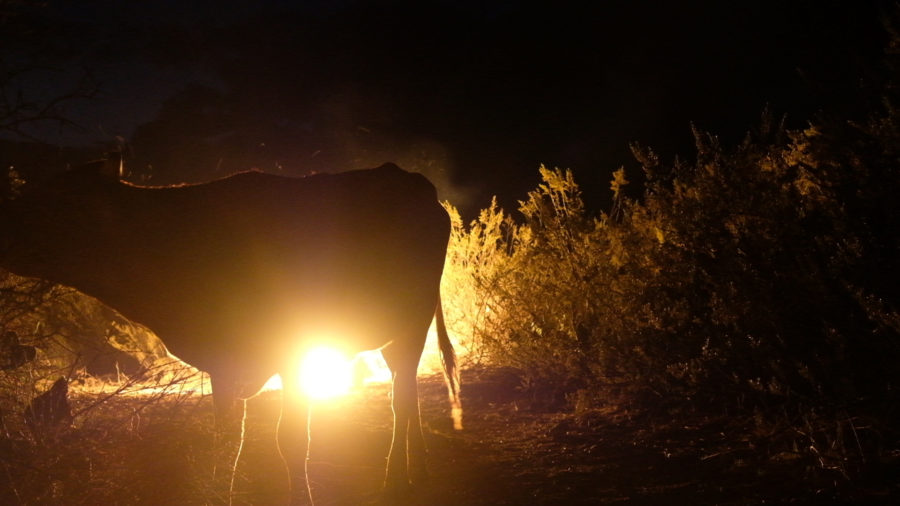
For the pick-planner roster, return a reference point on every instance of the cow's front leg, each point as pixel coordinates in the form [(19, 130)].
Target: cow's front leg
[(224, 394), (228, 430), (293, 439)]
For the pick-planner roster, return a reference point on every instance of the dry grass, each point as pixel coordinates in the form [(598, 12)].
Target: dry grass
[(129, 442), (162, 449)]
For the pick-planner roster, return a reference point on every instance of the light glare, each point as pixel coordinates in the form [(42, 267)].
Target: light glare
[(325, 373)]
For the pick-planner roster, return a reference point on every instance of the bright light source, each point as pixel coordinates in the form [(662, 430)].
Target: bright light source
[(325, 373)]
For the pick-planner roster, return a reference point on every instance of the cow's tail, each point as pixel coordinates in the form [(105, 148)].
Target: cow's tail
[(451, 368)]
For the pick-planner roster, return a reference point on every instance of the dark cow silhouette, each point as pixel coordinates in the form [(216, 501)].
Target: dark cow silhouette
[(240, 275)]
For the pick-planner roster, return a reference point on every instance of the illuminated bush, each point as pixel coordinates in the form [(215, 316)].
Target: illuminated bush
[(535, 292), (753, 275)]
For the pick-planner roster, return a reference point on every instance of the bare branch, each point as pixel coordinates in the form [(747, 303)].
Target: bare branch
[(18, 111)]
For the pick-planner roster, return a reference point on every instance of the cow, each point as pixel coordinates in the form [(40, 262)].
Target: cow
[(239, 276)]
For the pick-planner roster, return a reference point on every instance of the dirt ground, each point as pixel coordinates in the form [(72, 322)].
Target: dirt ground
[(509, 454), (131, 451)]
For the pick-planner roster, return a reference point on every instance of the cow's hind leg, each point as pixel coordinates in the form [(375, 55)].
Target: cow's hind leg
[(293, 438), (415, 439), (406, 461)]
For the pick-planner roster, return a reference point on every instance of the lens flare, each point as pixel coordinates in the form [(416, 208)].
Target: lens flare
[(325, 373)]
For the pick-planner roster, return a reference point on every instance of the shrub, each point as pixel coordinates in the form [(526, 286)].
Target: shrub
[(752, 276)]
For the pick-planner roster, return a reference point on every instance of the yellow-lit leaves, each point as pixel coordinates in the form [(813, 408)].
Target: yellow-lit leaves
[(618, 182)]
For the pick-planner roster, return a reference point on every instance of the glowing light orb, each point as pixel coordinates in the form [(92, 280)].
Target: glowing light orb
[(325, 373)]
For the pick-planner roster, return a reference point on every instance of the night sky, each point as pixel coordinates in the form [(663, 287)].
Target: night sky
[(474, 94)]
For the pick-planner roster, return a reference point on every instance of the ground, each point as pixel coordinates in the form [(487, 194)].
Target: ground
[(132, 451)]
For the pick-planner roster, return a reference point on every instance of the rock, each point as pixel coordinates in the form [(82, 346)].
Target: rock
[(50, 408)]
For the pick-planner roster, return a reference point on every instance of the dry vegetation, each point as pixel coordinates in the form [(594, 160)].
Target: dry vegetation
[(162, 449), (729, 337), (727, 334)]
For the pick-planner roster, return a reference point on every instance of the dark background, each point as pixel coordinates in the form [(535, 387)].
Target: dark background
[(474, 94)]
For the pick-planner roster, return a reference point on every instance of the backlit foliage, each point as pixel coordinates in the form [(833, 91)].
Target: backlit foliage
[(759, 278)]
